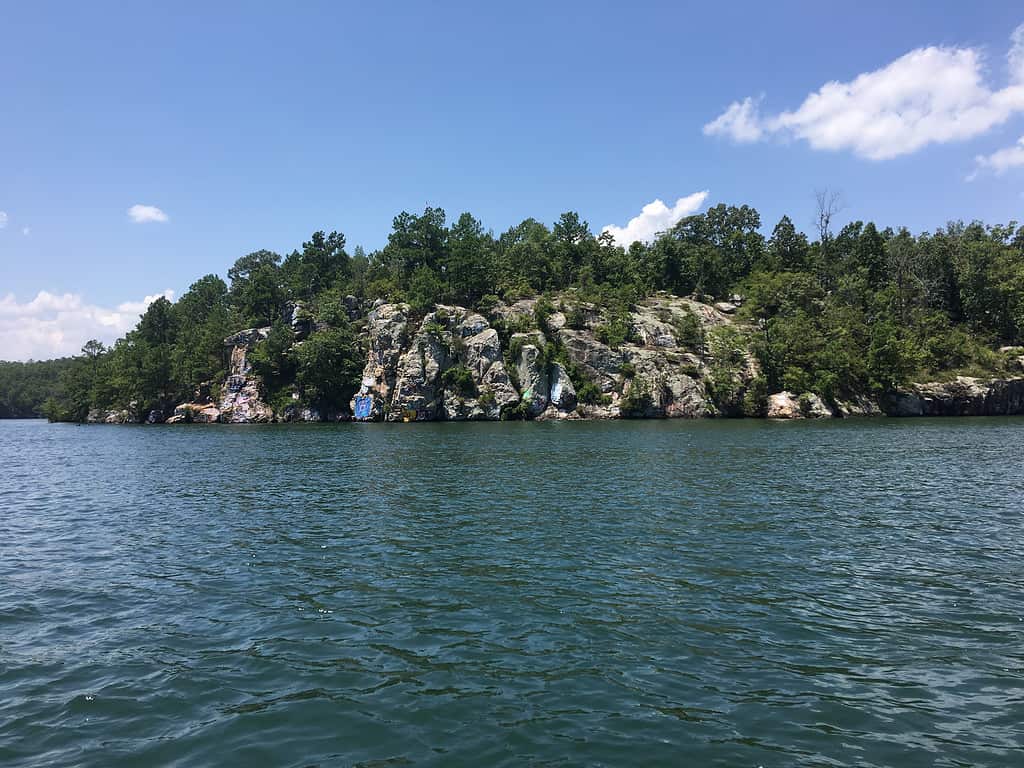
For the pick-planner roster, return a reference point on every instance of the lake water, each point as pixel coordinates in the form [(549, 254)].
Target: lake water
[(623, 594)]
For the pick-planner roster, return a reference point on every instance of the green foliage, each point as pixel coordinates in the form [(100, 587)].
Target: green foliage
[(688, 330), (805, 402), (327, 367), (203, 319), (542, 311), (321, 264), (270, 358), (755, 398), (256, 291), (588, 393), (576, 318), (487, 303), (425, 288), (25, 387), (638, 400), (616, 327), (725, 390), (459, 379), (517, 411), (688, 369), (434, 329), (469, 260), (327, 309), (787, 248)]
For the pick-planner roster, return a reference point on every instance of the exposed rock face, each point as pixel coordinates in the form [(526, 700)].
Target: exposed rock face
[(964, 396), (299, 319), (452, 365), (532, 371), (785, 405), (352, 307), (418, 379), (241, 402), (858, 406), (386, 328), (599, 362), (563, 394), (405, 375), (482, 356), (666, 378), (195, 413), (522, 310), (296, 412), (650, 330), (113, 416)]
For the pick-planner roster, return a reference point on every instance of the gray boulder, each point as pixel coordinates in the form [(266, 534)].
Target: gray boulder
[(785, 405)]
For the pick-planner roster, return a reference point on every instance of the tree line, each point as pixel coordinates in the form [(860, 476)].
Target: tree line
[(857, 311)]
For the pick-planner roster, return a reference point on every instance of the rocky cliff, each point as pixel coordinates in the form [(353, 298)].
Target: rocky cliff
[(668, 357), (964, 396), (455, 364)]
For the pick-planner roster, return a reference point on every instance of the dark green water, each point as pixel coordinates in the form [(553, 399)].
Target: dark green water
[(621, 594)]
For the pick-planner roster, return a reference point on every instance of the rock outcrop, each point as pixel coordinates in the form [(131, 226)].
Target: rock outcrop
[(241, 400), (299, 320), (964, 396), (386, 329), (113, 416), (785, 405), (451, 368), (195, 413), (562, 394), (532, 371), (294, 412)]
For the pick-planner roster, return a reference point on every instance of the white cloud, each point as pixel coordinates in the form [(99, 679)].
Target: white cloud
[(3, 219), (928, 96), (1001, 160), (740, 122), (56, 325), (655, 217), (26, 231), (141, 214), (138, 307)]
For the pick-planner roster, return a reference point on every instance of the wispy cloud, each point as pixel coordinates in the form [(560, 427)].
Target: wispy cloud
[(56, 325), (26, 231), (143, 214), (1001, 160), (3, 219), (655, 217), (928, 96), (741, 122)]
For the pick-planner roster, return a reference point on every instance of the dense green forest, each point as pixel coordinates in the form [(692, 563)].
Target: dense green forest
[(24, 387), (857, 311)]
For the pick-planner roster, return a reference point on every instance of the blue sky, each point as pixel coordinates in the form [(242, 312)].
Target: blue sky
[(251, 125)]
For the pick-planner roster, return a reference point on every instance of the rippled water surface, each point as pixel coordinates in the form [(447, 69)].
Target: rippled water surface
[(645, 593)]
